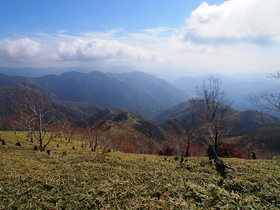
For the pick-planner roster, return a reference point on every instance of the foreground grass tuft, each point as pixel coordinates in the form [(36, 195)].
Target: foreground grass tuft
[(83, 179)]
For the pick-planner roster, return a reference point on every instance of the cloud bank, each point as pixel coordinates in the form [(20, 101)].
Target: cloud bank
[(233, 37), (99, 49), (235, 21)]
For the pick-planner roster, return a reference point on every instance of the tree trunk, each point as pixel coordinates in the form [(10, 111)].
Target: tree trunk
[(30, 134), (188, 149), (40, 134), (182, 156), (69, 138), (41, 145), (96, 143), (91, 144), (216, 143), (185, 152)]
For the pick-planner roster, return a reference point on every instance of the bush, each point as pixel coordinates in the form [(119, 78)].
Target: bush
[(232, 151), (193, 151), (166, 151), (127, 149)]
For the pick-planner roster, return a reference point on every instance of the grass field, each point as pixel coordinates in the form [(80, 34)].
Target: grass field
[(83, 180)]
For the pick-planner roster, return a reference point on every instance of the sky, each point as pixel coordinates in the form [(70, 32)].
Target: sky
[(178, 37)]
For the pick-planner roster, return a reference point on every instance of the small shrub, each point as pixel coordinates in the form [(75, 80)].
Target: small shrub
[(3, 141), (166, 151), (128, 149), (193, 151), (232, 151)]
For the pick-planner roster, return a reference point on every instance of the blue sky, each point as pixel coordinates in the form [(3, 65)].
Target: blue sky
[(91, 15), (180, 36)]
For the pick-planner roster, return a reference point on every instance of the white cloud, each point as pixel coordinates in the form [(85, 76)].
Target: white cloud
[(70, 50), (107, 35), (115, 30), (22, 48), (235, 37), (158, 31), (99, 49), (235, 21), (26, 52)]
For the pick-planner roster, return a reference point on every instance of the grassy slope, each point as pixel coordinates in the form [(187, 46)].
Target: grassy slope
[(83, 179)]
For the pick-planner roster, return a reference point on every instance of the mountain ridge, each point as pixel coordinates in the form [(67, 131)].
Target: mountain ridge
[(244, 120), (106, 90), (236, 89)]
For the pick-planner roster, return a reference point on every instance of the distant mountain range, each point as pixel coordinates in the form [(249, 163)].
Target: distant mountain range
[(164, 94), (236, 89), (138, 92), (39, 72), (241, 120), (141, 93)]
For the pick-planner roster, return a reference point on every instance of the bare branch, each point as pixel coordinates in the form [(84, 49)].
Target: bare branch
[(34, 107), (268, 101), (212, 106)]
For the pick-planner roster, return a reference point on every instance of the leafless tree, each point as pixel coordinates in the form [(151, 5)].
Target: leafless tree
[(184, 132), (34, 107), (268, 101), (212, 106), (12, 122), (90, 117), (67, 126)]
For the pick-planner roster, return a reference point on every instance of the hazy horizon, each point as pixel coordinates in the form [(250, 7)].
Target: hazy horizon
[(170, 77)]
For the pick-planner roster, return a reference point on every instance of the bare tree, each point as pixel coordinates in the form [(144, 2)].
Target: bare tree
[(268, 101), (67, 127), (12, 122), (34, 107), (212, 106), (185, 132), (90, 117)]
